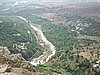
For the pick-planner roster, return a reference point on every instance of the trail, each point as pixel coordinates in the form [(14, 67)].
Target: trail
[(42, 59)]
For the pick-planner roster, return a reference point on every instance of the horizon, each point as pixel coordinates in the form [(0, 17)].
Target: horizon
[(71, 1)]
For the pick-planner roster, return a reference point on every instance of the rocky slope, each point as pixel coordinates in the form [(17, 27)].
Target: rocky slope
[(15, 64)]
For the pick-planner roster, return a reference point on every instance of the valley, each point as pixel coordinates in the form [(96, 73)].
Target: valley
[(50, 39), (42, 59)]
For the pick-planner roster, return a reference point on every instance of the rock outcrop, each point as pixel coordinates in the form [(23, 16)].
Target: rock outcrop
[(13, 64), (3, 68)]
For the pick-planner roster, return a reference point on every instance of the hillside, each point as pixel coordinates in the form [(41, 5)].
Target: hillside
[(17, 36)]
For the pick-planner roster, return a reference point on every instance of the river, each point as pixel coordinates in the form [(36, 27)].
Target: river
[(45, 57)]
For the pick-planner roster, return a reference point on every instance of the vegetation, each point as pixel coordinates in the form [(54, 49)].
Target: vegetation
[(93, 29), (14, 31), (64, 40), (66, 61)]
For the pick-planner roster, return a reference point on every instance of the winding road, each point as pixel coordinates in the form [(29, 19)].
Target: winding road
[(47, 54)]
